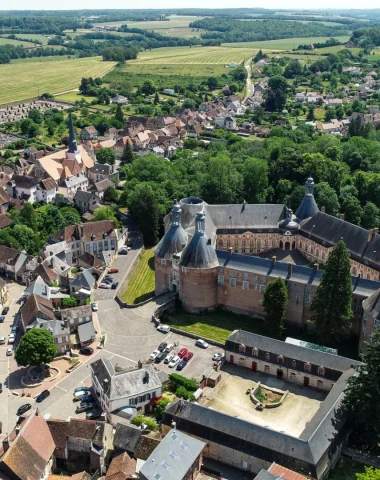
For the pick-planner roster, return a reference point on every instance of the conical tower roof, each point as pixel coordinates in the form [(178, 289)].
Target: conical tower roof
[(308, 207), (199, 253), (175, 239), (73, 147)]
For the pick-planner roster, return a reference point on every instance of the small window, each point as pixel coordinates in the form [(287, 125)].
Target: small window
[(280, 359), (245, 285), (165, 465), (233, 282), (307, 367), (262, 288), (255, 351), (242, 348), (221, 279), (321, 371), (163, 262), (267, 356), (183, 445), (307, 299), (245, 276), (266, 368), (294, 363), (264, 280), (173, 454), (232, 273), (221, 270), (307, 289)]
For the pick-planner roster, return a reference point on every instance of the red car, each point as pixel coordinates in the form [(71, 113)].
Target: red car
[(182, 352), (188, 356)]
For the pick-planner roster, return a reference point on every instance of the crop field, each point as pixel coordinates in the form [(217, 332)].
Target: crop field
[(18, 83), (34, 36), (282, 44), (181, 32), (9, 41), (175, 21), (197, 70), (194, 55), (81, 32)]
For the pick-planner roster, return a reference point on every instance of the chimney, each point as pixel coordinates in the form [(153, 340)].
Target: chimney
[(274, 260), (290, 269), (5, 444), (230, 250), (341, 216), (323, 209), (315, 267)]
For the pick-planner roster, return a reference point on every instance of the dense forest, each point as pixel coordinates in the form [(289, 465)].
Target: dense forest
[(231, 30)]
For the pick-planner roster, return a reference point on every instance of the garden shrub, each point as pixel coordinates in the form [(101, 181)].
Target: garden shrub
[(181, 381)]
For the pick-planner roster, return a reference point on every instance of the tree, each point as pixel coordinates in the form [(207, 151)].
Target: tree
[(111, 195), (27, 216), (156, 100), (212, 83), (255, 174), (36, 347), (119, 115), (311, 113), (326, 196), (371, 216), (369, 474), (160, 407), (128, 155), (274, 303), (69, 302), (105, 155), (148, 88), (143, 206), (352, 210), (105, 213), (332, 303), (361, 394)]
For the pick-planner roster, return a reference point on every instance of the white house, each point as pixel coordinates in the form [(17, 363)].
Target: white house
[(133, 389), (46, 191), (168, 91), (23, 187), (228, 122), (72, 184), (235, 107)]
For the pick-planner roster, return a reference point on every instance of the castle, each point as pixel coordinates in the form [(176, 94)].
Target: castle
[(213, 255)]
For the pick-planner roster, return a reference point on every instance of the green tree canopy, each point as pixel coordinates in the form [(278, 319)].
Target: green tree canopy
[(255, 174), (326, 196), (106, 155), (111, 195), (361, 394), (332, 303), (143, 205), (352, 210), (36, 347), (105, 213), (128, 155), (369, 474), (275, 302), (69, 302)]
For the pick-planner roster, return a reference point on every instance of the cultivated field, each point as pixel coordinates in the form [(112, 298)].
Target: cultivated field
[(181, 32), (8, 41), (193, 70), (20, 83), (141, 284), (34, 36), (175, 21), (282, 44)]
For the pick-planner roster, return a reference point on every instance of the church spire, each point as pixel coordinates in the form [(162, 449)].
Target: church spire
[(73, 148)]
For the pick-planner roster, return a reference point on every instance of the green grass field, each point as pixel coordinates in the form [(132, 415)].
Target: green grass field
[(181, 32), (8, 41), (175, 21), (34, 36), (282, 44), (20, 82), (197, 70), (141, 284), (74, 97)]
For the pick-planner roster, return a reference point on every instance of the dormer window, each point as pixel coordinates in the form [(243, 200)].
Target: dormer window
[(280, 359), (242, 348), (294, 363), (267, 356), (321, 371), (255, 351), (307, 367)]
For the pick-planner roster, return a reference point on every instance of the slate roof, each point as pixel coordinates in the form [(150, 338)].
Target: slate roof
[(175, 239), (265, 475), (328, 230), (84, 280), (103, 185), (146, 446), (85, 231), (75, 180), (173, 457), (101, 169), (86, 332), (30, 452), (127, 383), (35, 306), (127, 437), (199, 254), (23, 181), (300, 273), (246, 216), (308, 207), (371, 305), (83, 196)]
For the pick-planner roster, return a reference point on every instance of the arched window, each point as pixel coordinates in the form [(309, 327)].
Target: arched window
[(266, 242), (312, 250), (267, 356), (236, 243), (323, 255), (243, 243), (294, 363), (228, 242), (258, 243), (220, 243), (368, 276), (255, 351), (354, 271), (361, 274), (273, 242), (252, 242), (317, 253)]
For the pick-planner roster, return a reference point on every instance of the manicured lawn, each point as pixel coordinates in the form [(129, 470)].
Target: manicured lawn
[(20, 82), (346, 470), (219, 324), (141, 283)]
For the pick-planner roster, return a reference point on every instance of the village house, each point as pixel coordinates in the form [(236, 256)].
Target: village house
[(130, 389), (89, 133), (120, 100), (42, 289), (102, 186), (46, 191), (227, 122), (82, 285), (122, 467), (102, 172), (16, 265), (3, 292), (86, 201), (308, 97), (36, 307)]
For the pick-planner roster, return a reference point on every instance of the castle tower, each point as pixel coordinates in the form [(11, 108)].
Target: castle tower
[(308, 207), (198, 274), (171, 244), (73, 152)]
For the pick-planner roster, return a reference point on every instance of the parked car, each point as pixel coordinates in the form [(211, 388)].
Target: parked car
[(108, 280), (2, 318), (11, 338), (93, 415), (188, 356), (113, 270), (182, 364), (81, 389), (160, 357), (123, 251), (82, 396), (169, 347), (114, 285), (110, 277), (2, 340), (169, 358), (162, 346), (218, 356), (182, 352), (24, 408), (84, 406), (154, 354), (174, 361), (86, 351), (94, 306), (42, 396), (201, 343), (9, 351), (163, 328), (106, 286), (5, 311), (14, 329)]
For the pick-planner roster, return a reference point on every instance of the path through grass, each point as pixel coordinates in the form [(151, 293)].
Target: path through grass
[(141, 284)]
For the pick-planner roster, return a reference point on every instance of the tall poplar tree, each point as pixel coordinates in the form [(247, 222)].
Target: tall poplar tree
[(332, 303), (128, 155), (274, 303)]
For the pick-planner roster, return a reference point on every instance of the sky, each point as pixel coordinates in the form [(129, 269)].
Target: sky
[(93, 4)]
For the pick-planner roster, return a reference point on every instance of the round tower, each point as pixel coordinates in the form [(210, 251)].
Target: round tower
[(198, 274), (169, 247), (308, 207)]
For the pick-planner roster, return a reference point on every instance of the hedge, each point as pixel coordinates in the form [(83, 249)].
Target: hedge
[(185, 394), (180, 381), (149, 422)]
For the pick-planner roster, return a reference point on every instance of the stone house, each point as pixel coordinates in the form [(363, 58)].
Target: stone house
[(102, 172), (46, 191), (36, 307), (82, 285), (16, 265), (89, 133), (73, 317), (86, 201), (72, 184)]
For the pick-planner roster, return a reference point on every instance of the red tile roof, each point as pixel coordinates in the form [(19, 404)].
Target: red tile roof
[(122, 467), (285, 473)]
